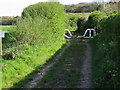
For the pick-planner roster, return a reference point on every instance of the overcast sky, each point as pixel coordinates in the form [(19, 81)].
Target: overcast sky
[(15, 7)]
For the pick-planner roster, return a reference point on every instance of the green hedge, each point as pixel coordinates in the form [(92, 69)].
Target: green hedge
[(95, 18), (106, 64), (42, 19), (72, 19), (75, 22), (38, 36)]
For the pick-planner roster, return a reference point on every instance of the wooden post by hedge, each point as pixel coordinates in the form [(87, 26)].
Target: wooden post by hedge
[(1, 36), (0, 46)]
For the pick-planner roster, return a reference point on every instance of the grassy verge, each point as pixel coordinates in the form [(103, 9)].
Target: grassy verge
[(105, 63), (106, 58), (16, 72), (66, 72)]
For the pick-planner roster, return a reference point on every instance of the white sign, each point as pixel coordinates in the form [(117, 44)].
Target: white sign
[(2, 34)]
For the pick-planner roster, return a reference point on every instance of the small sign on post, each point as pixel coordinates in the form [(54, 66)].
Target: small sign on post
[(2, 35)]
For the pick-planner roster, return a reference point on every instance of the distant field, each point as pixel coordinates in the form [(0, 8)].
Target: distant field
[(85, 15), (7, 28)]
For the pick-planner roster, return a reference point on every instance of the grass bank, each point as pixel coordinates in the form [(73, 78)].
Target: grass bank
[(16, 70)]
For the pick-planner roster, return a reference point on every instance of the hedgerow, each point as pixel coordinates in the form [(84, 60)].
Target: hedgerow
[(106, 64), (95, 18), (46, 17), (38, 36), (72, 19), (76, 22)]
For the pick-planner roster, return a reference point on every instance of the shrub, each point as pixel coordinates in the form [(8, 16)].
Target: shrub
[(42, 22), (44, 16), (75, 22), (72, 19), (112, 13), (81, 25), (95, 18), (38, 36), (106, 54)]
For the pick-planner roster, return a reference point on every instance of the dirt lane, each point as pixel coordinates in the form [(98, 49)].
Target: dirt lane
[(38, 76), (85, 79), (66, 75), (66, 72)]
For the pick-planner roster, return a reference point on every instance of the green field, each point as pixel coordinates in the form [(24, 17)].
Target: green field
[(7, 28), (85, 15)]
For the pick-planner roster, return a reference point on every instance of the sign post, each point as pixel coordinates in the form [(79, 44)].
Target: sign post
[(1, 36)]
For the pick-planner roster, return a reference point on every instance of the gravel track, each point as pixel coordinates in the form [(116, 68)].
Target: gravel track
[(38, 76), (86, 73)]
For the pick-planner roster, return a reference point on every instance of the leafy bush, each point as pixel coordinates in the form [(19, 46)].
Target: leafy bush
[(75, 22), (95, 18), (112, 13), (46, 27), (106, 54), (81, 25), (38, 36), (72, 19)]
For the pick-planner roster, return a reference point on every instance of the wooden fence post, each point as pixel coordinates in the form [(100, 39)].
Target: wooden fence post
[(0, 46), (1, 36)]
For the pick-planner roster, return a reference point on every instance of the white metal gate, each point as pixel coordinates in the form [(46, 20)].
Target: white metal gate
[(91, 33)]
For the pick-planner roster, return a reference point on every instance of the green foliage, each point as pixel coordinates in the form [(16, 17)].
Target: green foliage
[(45, 10), (45, 28), (82, 7), (38, 36), (42, 19), (95, 18), (75, 21), (30, 58), (72, 19), (81, 25), (112, 13), (106, 64)]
